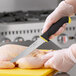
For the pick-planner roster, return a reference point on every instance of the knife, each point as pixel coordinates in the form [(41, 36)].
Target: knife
[(44, 37)]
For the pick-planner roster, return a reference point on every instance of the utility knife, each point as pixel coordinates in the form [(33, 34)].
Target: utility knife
[(43, 38)]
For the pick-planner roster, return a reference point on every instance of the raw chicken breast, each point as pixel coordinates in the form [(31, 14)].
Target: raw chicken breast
[(7, 52), (33, 60)]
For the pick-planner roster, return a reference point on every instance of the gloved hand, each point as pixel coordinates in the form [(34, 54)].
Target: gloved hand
[(61, 60), (62, 10)]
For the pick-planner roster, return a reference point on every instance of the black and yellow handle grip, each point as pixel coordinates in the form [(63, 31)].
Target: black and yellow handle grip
[(55, 27)]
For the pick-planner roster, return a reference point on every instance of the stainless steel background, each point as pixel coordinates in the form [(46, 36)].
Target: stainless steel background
[(13, 5)]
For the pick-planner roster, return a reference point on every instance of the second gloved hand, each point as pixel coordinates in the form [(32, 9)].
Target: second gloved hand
[(61, 60)]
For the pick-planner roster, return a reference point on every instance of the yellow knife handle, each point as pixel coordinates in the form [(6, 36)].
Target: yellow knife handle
[(55, 27)]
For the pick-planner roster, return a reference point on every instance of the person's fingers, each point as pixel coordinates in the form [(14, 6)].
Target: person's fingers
[(52, 37), (45, 28), (49, 63), (58, 32), (53, 62), (48, 22), (59, 61), (47, 56), (6, 65), (51, 19)]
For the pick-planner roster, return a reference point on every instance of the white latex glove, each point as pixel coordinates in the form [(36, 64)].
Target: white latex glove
[(61, 60), (62, 10)]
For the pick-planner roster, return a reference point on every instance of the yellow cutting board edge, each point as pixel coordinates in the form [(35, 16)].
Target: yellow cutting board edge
[(25, 72)]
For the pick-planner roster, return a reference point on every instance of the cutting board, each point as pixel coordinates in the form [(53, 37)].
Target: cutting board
[(26, 72)]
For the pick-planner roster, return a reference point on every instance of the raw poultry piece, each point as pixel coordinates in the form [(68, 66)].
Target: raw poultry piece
[(33, 60), (9, 51)]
